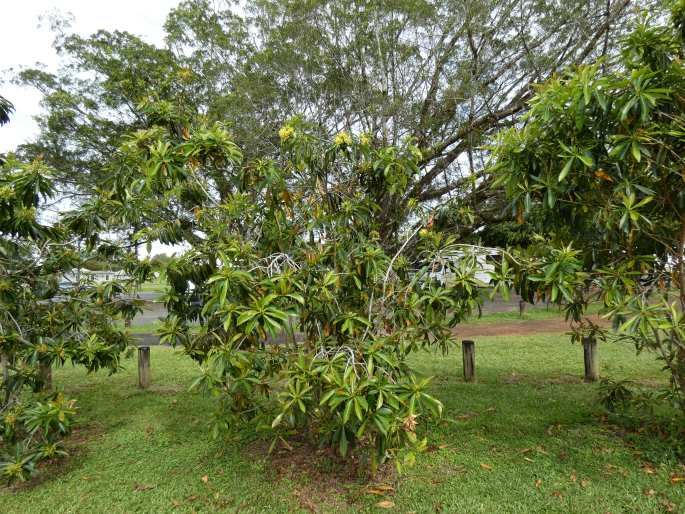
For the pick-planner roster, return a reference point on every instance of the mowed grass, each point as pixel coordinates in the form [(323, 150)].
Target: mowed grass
[(531, 312), (525, 438)]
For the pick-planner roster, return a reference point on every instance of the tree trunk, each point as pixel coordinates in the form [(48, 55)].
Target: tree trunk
[(143, 367), (468, 350), (591, 359)]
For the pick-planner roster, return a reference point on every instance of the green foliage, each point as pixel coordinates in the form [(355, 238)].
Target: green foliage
[(444, 73), (49, 314), (644, 411), (6, 108), (306, 321), (602, 152)]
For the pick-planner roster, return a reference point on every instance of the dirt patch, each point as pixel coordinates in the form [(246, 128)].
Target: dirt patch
[(519, 328), (324, 481)]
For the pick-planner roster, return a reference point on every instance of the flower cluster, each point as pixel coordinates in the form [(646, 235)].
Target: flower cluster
[(343, 139), (286, 133)]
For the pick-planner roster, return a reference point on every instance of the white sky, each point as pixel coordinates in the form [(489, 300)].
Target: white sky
[(24, 43)]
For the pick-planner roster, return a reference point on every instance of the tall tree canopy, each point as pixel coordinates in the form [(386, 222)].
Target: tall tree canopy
[(444, 73), (601, 154)]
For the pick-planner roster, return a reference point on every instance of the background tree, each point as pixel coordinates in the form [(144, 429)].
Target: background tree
[(444, 73), (48, 315), (602, 153), (287, 253)]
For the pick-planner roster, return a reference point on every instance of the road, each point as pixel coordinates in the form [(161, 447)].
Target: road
[(154, 311)]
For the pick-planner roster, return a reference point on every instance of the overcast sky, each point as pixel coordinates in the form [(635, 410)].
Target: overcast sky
[(24, 43)]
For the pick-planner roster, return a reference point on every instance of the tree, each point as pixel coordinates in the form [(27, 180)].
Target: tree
[(445, 74), (48, 315), (305, 320), (602, 153)]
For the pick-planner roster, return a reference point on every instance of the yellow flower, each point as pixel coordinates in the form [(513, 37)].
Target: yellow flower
[(11, 419), (365, 139), (286, 133), (343, 138), (6, 193)]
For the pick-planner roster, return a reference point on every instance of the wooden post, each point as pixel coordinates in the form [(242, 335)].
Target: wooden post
[(468, 351), (591, 359), (522, 308), (143, 367), (45, 370)]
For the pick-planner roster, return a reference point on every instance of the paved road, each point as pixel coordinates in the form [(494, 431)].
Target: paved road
[(155, 311)]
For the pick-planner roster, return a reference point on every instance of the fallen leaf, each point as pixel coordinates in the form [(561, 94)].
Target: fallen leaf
[(648, 468), (573, 477), (668, 506), (486, 466), (557, 494), (677, 478), (650, 492), (526, 450), (601, 174), (610, 468), (192, 497), (385, 504), (584, 483), (538, 483), (380, 490), (205, 479), (143, 487), (553, 428)]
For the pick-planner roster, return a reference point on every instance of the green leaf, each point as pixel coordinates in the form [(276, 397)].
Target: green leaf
[(565, 170)]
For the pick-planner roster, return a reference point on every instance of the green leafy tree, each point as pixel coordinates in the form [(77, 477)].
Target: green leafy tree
[(446, 74), (305, 321), (602, 153), (49, 315)]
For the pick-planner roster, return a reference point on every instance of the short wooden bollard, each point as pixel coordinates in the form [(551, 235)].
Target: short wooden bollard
[(591, 358), (468, 352), (522, 308), (45, 375), (143, 367)]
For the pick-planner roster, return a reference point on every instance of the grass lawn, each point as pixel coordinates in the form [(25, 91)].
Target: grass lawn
[(523, 439), (532, 312)]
